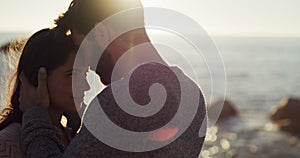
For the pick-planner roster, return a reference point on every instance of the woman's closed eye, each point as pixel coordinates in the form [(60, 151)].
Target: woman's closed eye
[(77, 73), (69, 73)]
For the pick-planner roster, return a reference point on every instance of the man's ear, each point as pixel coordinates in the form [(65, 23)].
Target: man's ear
[(77, 36)]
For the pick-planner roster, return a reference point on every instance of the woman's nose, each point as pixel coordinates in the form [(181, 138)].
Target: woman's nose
[(81, 84), (86, 85)]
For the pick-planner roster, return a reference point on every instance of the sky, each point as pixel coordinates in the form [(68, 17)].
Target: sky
[(217, 17)]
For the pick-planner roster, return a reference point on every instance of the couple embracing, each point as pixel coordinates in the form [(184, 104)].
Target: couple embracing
[(51, 81)]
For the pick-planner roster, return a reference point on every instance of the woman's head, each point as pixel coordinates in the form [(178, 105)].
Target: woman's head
[(56, 53), (44, 49)]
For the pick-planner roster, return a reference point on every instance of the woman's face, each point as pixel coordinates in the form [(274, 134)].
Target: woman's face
[(60, 86)]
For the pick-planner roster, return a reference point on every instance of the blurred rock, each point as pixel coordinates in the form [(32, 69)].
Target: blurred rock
[(228, 110), (287, 115)]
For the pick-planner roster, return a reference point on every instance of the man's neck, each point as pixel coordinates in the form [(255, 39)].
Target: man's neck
[(55, 116)]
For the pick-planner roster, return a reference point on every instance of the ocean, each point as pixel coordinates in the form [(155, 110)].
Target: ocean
[(260, 72)]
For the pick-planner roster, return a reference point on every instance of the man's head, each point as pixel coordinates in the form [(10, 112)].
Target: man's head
[(83, 15)]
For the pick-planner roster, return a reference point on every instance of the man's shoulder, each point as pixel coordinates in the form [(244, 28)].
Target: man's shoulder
[(153, 96)]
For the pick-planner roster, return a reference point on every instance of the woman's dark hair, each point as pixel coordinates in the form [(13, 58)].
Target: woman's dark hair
[(45, 48)]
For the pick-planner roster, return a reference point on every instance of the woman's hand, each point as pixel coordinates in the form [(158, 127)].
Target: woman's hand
[(34, 96)]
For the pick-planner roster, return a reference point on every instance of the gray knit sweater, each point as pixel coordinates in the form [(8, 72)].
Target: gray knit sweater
[(40, 139)]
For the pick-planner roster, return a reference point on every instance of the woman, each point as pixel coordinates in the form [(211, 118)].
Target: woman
[(56, 54)]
